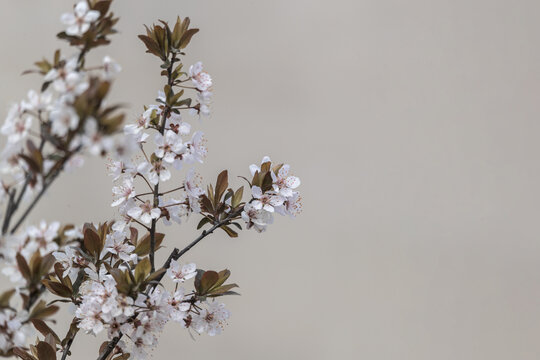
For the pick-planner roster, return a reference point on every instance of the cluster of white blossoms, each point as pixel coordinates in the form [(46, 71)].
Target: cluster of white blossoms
[(45, 133), (54, 107), (170, 148), (282, 197), (143, 318), (42, 239), (202, 82), (32, 242)]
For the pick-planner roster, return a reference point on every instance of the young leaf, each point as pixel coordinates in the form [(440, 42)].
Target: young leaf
[(221, 186), (142, 270), (6, 297), (57, 288), (143, 247), (23, 266), (44, 329), (229, 231), (45, 351), (207, 281), (92, 242)]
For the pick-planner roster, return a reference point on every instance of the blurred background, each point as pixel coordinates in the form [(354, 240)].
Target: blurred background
[(414, 128)]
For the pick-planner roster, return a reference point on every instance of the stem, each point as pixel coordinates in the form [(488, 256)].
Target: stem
[(68, 346), (177, 253), (110, 347), (34, 296), (14, 205), (166, 112), (142, 176), (9, 211), (36, 199)]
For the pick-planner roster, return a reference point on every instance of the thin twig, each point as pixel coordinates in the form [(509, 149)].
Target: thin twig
[(68, 346), (110, 347)]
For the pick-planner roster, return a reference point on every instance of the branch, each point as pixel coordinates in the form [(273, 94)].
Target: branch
[(110, 347), (166, 112), (68, 346), (13, 204), (175, 255)]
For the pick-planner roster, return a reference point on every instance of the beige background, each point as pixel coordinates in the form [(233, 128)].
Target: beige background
[(414, 127)]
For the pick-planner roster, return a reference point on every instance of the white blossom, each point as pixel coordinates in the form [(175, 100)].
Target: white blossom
[(196, 148), (115, 243), (144, 212), (193, 190), (211, 319), (168, 146), (80, 20), (110, 68), (124, 192), (63, 118), (156, 172), (284, 184), (200, 79), (256, 218), (267, 201), (179, 274)]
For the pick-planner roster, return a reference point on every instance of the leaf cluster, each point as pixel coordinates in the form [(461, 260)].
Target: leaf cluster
[(221, 203), (211, 284), (33, 271), (161, 40)]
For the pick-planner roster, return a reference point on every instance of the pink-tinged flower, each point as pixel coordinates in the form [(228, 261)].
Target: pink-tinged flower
[(67, 80), (63, 118), (200, 79), (156, 171), (44, 235), (116, 244), (292, 205), (193, 190), (80, 20), (176, 209), (284, 184), (267, 201), (178, 308), (175, 123), (110, 68), (66, 258), (203, 106), (211, 319), (144, 212), (117, 168), (257, 219), (96, 142), (17, 129), (38, 101), (168, 146), (179, 274), (124, 192), (196, 148), (140, 124)]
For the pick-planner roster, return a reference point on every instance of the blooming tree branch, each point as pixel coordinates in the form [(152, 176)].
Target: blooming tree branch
[(107, 271)]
